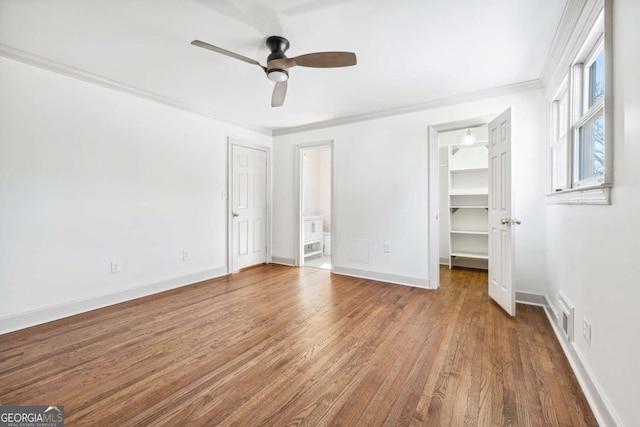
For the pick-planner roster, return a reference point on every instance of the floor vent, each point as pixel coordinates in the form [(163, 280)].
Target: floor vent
[(566, 316)]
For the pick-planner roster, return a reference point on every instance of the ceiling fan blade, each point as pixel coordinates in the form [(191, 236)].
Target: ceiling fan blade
[(279, 92), (326, 59), (227, 53)]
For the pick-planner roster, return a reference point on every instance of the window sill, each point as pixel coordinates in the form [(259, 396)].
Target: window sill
[(597, 195)]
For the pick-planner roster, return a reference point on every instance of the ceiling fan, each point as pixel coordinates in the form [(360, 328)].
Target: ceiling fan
[(278, 64)]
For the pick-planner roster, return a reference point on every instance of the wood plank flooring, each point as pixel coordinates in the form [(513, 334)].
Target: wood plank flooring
[(279, 346)]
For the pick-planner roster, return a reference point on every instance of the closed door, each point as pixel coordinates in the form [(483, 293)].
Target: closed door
[(249, 206), (501, 259)]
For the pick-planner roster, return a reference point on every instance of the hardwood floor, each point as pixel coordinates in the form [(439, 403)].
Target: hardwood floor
[(283, 346)]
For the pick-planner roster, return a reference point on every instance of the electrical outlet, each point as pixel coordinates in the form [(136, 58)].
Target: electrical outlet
[(186, 255), (586, 330), (116, 266), (387, 248)]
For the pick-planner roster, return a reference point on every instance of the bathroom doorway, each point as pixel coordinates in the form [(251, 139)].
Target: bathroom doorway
[(316, 197)]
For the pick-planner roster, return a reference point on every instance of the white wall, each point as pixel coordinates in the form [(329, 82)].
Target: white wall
[(593, 251), (310, 190), (382, 183), (89, 175), (324, 184)]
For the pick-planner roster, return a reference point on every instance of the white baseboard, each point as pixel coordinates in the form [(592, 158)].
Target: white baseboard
[(531, 298), (444, 261), (383, 277), (284, 261), (598, 401), (36, 317)]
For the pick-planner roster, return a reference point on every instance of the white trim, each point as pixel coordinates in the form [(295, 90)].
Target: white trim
[(530, 298), (231, 141), (383, 277), (437, 103), (433, 196), (598, 401), (581, 196), (56, 67), (563, 34), (575, 24), (586, 31), (47, 314), (283, 261), (299, 151)]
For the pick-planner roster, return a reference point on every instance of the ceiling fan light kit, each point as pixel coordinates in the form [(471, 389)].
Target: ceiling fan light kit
[(277, 75), (278, 64)]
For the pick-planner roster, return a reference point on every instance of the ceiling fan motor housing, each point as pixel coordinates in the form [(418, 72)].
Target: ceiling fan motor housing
[(277, 45)]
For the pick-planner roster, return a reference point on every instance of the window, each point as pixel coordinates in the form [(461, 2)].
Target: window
[(580, 140), (588, 126)]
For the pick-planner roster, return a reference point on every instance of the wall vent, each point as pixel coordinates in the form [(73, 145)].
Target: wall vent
[(566, 316)]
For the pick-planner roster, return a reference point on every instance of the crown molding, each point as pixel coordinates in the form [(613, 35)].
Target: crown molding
[(437, 103), (56, 67), (566, 27), (577, 20)]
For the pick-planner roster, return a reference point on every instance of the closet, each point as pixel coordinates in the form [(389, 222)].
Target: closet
[(467, 199)]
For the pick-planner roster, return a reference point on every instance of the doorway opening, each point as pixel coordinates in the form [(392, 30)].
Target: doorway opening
[(466, 191), (438, 193), (464, 197), (316, 202)]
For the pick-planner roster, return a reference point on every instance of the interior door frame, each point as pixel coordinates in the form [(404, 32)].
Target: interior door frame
[(229, 196), (299, 235), (433, 132)]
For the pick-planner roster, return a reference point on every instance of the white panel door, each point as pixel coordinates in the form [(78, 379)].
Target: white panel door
[(501, 259), (248, 206)]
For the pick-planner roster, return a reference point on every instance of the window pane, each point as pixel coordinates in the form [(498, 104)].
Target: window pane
[(559, 158), (596, 79), (591, 148)]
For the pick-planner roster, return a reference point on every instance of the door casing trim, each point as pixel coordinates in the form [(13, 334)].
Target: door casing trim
[(299, 150)]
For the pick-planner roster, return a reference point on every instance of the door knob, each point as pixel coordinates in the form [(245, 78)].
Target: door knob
[(510, 221), (235, 215)]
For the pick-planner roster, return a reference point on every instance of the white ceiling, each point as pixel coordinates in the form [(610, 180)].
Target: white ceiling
[(409, 51)]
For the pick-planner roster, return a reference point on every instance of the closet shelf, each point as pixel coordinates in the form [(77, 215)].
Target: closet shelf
[(469, 192), (485, 233), (468, 206), (470, 169), (474, 255)]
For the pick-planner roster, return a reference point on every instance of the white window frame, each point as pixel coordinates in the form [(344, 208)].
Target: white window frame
[(594, 190), (560, 135)]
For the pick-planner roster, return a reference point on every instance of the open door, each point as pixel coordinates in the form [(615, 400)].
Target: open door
[(501, 244)]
